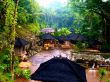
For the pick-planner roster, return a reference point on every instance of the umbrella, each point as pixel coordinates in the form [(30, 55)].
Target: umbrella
[(59, 70)]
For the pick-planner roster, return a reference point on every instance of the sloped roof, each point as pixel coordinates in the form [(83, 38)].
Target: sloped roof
[(47, 36), (95, 42), (47, 30), (19, 42), (76, 37), (59, 70), (73, 36), (81, 38), (65, 38)]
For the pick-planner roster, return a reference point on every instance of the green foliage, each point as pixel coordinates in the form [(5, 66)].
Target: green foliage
[(108, 80), (34, 28), (63, 31), (80, 46), (6, 21), (28, 12), (4, 78), (5, 65), (28, 18), (102, 73), (105, 47), (23, 73), (91, 18)]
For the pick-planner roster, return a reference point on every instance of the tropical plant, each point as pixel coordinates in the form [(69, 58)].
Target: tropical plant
[(63, 31), (108, 80), (102, 73), (80, 46), (24, 73)]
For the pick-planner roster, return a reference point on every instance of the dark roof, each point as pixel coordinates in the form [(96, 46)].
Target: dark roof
[(63, 37), (59, 70), (47, 36), (73, 36), (19, 42), (76, 37), (81, 38), (95, 42)]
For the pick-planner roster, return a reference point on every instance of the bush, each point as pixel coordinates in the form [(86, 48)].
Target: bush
[(105, 47), (23, 73), (108, 80), (80, 46), (102, 73)]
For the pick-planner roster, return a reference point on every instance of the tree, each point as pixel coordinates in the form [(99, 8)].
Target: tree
[(29, 16), (102, 9), (92, 19), (8, 18)]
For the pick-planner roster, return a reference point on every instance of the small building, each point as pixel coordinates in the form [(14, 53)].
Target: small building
[(70, 40), (64, 42), (74, 38), (95, 44), (20, 47), (48, 41)]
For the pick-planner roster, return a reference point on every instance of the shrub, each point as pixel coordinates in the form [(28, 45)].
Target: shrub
[(105, 47), (23, 73)]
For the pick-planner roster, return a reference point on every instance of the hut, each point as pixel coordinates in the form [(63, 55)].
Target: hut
[(48, 41), (20, 47), (95, 44), (81, 38), (74, 38), (59, 70), (64, 42), (70, 40)]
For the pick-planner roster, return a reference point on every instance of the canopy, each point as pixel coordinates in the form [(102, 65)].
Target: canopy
[(59, 70)]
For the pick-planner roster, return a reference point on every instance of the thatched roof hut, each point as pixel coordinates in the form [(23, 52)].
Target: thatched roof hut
[(47, 36), (19, 42)]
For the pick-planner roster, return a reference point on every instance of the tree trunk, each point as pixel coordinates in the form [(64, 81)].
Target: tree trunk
[(12, 38)]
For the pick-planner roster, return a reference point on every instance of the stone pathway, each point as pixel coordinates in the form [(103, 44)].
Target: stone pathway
[(46, 55)]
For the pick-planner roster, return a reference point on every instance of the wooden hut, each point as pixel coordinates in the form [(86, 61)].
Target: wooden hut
[(74, 38), (95, 44), (20, 47), (70, 40), (64, 41), (48, 41)]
